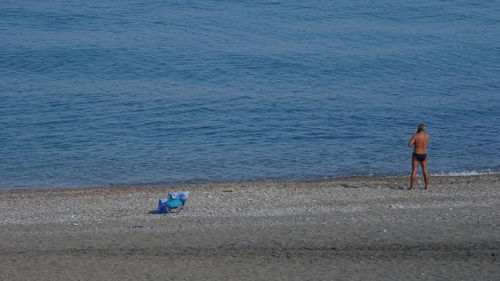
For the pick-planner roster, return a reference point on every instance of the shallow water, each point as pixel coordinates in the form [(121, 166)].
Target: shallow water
[(106, 92)]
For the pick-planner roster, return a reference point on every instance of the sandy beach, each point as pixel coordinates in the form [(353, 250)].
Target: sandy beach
[(342, 229)]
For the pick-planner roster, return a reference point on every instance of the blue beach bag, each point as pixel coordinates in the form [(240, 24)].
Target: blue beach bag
[(173, 201)]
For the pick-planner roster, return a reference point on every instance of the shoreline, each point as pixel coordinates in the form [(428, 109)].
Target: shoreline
[(467, 173), (350, 228)]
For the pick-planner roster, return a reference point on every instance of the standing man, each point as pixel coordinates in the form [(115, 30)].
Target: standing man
[(419, 142)]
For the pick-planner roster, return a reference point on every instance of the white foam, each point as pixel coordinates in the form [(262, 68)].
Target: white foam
[(468, 173)]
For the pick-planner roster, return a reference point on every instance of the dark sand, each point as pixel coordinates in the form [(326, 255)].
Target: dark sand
[(343, 229)]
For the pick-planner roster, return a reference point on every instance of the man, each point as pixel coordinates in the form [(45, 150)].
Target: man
[(419, 142)]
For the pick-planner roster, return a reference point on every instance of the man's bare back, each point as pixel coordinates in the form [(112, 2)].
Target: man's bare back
[(419, 142)]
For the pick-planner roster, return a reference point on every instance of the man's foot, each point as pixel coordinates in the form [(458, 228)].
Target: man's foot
[(410, 188), (426, 188)]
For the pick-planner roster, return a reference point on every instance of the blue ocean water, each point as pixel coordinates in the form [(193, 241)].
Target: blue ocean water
[(143, 92)]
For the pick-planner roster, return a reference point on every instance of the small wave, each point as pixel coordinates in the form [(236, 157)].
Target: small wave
[(468, 172)]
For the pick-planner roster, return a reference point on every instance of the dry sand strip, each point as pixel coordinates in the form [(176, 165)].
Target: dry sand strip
[(342, 229)]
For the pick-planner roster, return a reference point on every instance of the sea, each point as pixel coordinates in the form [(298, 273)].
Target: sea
[(99, 93)]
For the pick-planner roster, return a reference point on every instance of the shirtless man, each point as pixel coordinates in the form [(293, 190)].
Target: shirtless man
[(419, 141)]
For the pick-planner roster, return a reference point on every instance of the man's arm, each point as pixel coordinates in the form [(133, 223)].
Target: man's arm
[(412, 141)]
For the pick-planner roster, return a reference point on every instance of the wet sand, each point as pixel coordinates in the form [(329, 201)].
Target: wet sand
[(343, 229)]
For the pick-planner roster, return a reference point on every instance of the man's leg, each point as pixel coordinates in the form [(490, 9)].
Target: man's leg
[(414, 168), (427, 178)]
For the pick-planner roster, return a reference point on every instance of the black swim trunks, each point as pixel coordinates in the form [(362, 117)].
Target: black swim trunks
[(420, 157)]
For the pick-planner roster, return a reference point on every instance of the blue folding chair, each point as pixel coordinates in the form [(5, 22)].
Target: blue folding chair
[(174, 200)]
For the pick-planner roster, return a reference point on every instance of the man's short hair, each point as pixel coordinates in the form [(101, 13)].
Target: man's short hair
[(421, 128)]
